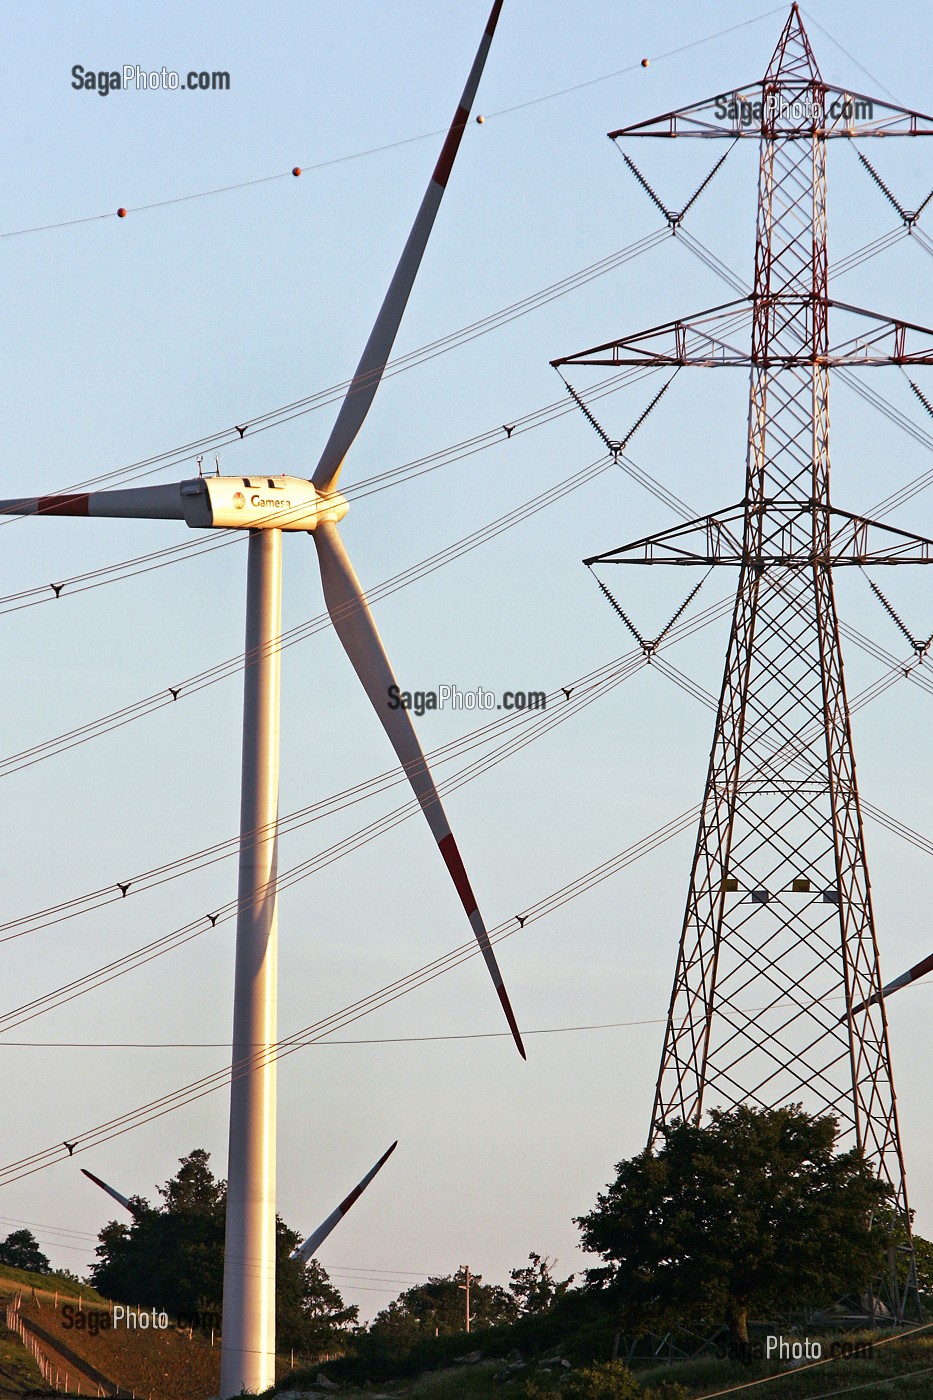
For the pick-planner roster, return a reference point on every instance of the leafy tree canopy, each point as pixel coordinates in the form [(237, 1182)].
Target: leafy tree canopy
[(751, 1212), (20, 1250), (172, 1257), (923, 1255), (534, 1287)]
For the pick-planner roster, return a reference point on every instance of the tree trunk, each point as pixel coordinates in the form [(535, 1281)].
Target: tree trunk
[(738, 1324)]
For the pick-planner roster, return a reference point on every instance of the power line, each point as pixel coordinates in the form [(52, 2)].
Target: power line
[(84, 733), (394, 476), (851, 56), (368, 1040), (40, 1225), (587, 688), (308, 1035), (372, 1039), (380, 149), (609, 677), (314, 1033), (250, 425), (223, 670)]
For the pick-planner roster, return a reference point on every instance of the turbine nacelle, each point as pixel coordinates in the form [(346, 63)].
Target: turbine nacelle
[(259, 502)]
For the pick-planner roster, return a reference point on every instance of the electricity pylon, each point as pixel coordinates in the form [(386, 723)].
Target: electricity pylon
[(779, 933)]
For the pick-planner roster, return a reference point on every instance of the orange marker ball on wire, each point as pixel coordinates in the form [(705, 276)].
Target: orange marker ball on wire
[(121, 213), (644, 63), (296, 170)]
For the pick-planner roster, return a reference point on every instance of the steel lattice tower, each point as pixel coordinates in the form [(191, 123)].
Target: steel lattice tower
[(778, 933)]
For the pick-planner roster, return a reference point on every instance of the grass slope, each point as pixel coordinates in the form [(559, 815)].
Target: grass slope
[(900, 1366), (19, 1280), (164, 1364), (19, 1374)]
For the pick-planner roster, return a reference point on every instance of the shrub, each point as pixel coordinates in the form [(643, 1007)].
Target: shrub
[(607, 1380)]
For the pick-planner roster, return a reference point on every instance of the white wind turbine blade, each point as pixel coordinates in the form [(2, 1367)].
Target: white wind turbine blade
[(912, 974), (372, 363), (131, 503), (203, 503), (313, 1243), (124, 1200), (354, 624)]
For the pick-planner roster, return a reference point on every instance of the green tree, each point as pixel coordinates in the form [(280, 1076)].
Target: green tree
[(172, 1257), (751, 1212), (923, 1254), (534, 1287), (309, 1310), (20, 1250)]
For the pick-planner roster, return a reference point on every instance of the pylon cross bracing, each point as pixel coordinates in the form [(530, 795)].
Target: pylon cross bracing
[(775, 991)]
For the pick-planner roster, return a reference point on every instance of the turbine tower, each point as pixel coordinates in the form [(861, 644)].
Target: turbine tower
[(778, 931), (267, 506)]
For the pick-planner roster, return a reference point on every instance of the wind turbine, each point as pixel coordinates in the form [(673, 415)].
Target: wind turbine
[(312, 1244), (266, 506)]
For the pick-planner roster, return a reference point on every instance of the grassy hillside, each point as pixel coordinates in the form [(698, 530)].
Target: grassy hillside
[(903, 1368), (19, 1374), (19, 1280), (897, 1366), (164, 1364)]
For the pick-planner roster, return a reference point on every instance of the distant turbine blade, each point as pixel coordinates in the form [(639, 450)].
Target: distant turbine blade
[(356, 628), (912, 974), (372, 363), (130, 503), (313, 1243), (109, 1189)]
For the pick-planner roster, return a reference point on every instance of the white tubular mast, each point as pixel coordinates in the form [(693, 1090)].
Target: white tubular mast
[(247, 1357)]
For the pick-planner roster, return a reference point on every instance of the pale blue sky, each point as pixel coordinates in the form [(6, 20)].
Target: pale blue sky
[(127, 337)]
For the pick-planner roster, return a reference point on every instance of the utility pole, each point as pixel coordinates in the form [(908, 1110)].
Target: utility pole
[(779, 930), (465, 1288)]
